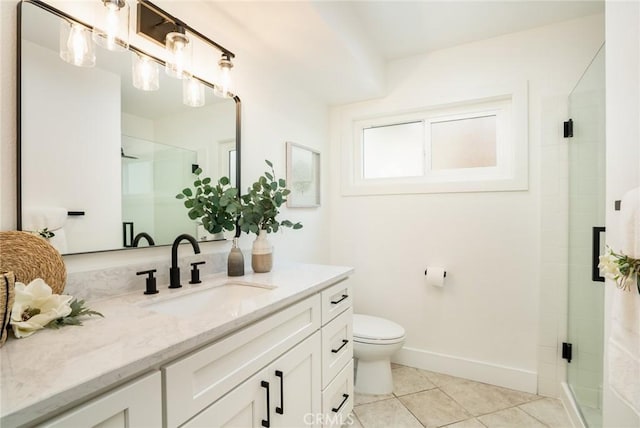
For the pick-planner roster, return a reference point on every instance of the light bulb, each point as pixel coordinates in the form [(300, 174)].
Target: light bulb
[(75, 45), (179, 49), (223, 88), (110, 23), (146, 75)]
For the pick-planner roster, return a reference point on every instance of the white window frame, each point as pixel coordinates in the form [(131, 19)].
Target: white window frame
[(509, 174)]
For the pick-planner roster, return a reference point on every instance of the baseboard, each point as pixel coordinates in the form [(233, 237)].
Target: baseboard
[(494, 374), (569, 402)]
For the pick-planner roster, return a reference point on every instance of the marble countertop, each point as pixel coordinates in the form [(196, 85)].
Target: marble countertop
[(54, 369)]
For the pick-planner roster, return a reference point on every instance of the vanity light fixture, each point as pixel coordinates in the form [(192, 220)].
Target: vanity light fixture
[(192, 92), (164, 29), (76, 47), (146, 75), (178, 47), (112, 22), (223, 89)]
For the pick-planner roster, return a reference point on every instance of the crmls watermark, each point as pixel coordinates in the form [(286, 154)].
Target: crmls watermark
[(335, 419)]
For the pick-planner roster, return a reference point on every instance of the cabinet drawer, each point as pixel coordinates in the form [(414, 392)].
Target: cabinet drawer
[(336, 299), (136, 404), (199, 379), (337, 345), (338, 398)]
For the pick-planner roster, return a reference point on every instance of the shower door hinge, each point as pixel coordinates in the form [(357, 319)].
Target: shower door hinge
[(568, 128), (567, 353)]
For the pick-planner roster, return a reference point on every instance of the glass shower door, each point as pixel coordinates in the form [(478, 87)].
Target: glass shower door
[(586, 217)]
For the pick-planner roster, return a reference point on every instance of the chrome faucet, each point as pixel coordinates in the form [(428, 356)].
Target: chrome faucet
[(174, 271)]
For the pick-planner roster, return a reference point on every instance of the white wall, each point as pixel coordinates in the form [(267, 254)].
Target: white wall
[(623, 160), (484, 324), (273, 112)]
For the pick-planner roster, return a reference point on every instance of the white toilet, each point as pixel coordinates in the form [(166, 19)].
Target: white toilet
[(374, 341)]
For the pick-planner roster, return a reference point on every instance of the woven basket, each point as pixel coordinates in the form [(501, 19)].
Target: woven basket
[(29, 257), (7, 292)]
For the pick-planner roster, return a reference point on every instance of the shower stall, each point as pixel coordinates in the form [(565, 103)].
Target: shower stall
[(586, 238)]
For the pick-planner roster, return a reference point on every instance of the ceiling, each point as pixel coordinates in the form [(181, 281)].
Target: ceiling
[(339, 49)]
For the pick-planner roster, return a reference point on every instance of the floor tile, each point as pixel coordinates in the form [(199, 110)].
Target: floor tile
[(386, 414), (549, 411), (352, 421), (365, 398), (481, 398), (469, 423), (510, 418), (434, 408), (407, 380)]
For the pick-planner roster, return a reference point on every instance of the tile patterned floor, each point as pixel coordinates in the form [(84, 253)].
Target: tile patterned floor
[(426, 399)]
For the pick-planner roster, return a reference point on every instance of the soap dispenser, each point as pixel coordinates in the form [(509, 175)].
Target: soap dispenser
[(235, 261)]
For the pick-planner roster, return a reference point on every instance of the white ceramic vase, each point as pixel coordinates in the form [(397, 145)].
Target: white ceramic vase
[(261, 253)]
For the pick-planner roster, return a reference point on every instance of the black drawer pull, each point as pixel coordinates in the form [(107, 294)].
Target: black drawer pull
[(280, 410), (344, 296), (345, 397), (344, 343), (267, 423)]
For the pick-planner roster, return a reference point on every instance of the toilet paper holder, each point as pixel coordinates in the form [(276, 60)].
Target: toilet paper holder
[(425, 273)]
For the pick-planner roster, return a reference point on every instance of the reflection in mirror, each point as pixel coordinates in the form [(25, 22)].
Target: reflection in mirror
[(93, 144)]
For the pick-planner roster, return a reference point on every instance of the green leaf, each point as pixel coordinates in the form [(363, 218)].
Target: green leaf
[(268, 162), (224, 181), (179, 196), (187, 192), (282, 182), (297, 226), (206, 180), (269, 176), (198, 171)]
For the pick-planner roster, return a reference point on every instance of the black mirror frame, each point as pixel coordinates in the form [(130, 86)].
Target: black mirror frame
[(64, 15)]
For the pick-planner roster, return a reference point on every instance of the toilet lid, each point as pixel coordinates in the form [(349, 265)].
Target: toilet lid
[(375, 328)]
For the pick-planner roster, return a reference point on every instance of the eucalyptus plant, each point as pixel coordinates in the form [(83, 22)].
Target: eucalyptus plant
[(215, 205), (260, 204)]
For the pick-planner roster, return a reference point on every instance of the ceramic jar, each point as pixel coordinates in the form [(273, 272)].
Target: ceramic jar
[(261, 254)]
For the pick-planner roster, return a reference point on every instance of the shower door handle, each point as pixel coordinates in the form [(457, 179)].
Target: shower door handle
[(595, 254)]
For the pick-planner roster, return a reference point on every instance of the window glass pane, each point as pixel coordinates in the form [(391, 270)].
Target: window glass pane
[(463, 143), (393, 151)]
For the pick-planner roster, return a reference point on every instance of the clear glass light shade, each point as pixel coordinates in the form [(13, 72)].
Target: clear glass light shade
[(146, 73), (179, 55), (223, 88), (76, 47), (111, 30), (192, 92)]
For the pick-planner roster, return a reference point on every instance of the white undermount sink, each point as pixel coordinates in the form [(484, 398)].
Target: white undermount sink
[(232, 297)]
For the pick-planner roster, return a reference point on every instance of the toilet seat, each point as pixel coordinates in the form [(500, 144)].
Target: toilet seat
[(376, 331)]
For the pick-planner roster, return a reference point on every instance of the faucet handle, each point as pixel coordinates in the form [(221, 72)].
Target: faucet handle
[(195, 273), (151, 281)]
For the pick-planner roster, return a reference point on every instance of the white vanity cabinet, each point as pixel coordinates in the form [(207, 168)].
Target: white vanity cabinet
[(292, 367), (281, 395), (337, 353), (136, 404)]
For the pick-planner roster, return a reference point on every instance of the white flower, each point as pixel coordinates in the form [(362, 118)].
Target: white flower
[(609, 265), (35, 306)]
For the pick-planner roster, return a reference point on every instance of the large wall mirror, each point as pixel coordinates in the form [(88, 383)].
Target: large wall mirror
[(99, 161)]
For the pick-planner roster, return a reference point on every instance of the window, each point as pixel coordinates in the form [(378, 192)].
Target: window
[(472, 146)]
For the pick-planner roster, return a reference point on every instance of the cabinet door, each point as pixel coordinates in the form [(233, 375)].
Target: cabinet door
[(296, 391), (244, 407), (136, 404)]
